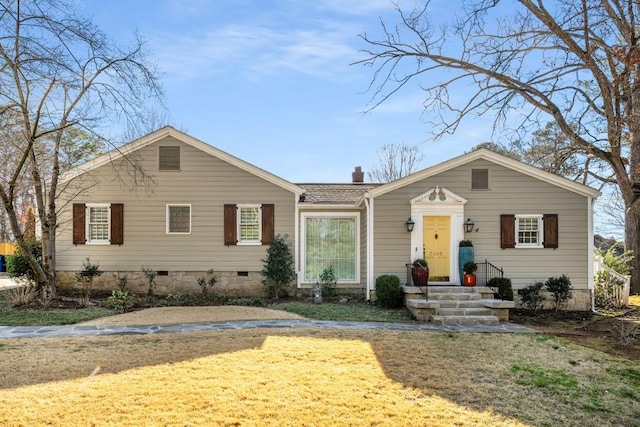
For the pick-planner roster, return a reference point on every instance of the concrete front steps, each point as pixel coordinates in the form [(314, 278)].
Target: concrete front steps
[(456, 304)]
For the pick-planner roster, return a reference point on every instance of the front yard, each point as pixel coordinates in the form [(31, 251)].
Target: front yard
[(315, 377)]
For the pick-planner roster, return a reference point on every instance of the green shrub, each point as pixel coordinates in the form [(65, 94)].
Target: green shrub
[(17, 264), (206, 285), (532, 297), (619, 263), (86, 276), (151, 280), (329, 282), (389, 291), (121, 281), (278, 271), (120, 301), (505, 291), (560, 287), (178, 299)]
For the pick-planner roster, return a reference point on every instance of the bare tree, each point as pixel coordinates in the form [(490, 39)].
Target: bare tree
[(396, 161), (576, 63), (59, 73)]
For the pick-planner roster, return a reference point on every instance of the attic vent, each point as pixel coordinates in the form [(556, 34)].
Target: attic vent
[(169, 158), (479, 179)]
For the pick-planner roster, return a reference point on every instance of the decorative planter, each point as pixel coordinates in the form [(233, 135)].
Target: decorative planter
[(465, 254), (420, 276), (469, 280)]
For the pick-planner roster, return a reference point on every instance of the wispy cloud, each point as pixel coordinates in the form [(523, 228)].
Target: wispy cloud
[(257, 50)]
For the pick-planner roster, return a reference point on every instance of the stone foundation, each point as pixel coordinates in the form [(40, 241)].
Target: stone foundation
[(229, 283), (580, 300)]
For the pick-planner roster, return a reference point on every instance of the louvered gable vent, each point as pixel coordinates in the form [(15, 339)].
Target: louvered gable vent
[(169, 158)]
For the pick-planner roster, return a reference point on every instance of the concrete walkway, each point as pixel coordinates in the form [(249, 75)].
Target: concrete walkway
[(7, 282), (92, 331)]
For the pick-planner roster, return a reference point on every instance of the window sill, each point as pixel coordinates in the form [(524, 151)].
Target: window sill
[(97, 243), (249, 243), (529, 246)]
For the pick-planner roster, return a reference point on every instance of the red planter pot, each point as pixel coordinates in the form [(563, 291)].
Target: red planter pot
[(469, 280), (420, 276)]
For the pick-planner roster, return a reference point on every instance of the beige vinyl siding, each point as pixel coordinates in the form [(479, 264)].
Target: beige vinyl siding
[(204, 182), (510, 192)]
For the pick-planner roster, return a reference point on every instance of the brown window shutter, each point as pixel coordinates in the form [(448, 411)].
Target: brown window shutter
[(79, 234), (117, 224), (230, 230), (268, 226), (507, 231), (550, 224)]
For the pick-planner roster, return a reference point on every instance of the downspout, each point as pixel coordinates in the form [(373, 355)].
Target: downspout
[(368, 202), (590, 248), (296, 244)]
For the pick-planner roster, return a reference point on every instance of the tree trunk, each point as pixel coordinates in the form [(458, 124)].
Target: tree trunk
[(48, 261), (632, 241)]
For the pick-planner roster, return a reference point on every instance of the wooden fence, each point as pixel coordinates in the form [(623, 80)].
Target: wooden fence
[(619, 295)]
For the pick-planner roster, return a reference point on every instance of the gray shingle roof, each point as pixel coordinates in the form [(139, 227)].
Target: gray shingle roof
[(335, 194)]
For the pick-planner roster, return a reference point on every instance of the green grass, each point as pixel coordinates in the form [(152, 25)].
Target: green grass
[(344, 312), (10, 316)]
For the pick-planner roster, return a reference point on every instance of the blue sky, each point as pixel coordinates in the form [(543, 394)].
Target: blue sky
[(269, 81)]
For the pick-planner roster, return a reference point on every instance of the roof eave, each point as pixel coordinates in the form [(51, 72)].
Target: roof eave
[(183, 137), (493, 157)]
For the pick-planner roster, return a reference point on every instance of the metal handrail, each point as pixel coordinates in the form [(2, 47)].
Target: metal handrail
[(487, 271)]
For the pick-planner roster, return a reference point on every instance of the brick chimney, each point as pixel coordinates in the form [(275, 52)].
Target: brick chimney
[(357, 175)]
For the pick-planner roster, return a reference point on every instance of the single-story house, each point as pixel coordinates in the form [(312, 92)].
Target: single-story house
[(174, 204)]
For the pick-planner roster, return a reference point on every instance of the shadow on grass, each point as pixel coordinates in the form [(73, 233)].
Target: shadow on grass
[(474, 371)]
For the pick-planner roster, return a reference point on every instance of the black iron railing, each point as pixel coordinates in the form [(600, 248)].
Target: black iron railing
[(487, 271)]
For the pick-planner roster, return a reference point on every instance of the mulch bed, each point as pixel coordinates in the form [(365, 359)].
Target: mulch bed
[(617, 334)]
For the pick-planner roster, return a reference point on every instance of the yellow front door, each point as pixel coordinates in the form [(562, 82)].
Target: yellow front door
[(436, 238)]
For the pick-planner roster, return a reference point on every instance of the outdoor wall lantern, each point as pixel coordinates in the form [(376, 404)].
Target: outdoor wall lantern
[(410, 224), (468, 225)]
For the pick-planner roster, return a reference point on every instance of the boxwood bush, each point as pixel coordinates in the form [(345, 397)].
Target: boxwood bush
[(389, 291)]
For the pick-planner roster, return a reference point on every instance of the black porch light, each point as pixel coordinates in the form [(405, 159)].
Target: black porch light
[(410, 224), (468, 225)]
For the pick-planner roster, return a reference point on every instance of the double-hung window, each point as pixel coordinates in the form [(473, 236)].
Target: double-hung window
[(529, 231), (179, 219), (249, 224), (331, 240), (98, 224), (249, 221)]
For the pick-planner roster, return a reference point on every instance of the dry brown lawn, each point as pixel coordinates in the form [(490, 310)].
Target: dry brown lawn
[(311, 377)]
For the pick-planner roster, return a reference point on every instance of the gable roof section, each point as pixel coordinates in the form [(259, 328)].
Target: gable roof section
[(335, 194), (169, 131), (484, 154)]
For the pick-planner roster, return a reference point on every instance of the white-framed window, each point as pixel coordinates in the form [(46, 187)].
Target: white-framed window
[(529, 231), (331, 239), (178, 219), (249, 225), (98, 223)]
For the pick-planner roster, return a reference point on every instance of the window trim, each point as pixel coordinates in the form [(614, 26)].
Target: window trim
[(239, 221), (170, 205), (87, 225), (540, 231), (303, 243)]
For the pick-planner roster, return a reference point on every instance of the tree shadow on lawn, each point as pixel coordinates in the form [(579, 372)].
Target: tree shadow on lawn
[(473, 371)]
